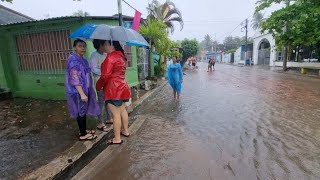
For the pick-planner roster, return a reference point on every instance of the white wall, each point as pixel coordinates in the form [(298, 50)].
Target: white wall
[(226, 58), (256, 43), (237, 56), (298, 64)]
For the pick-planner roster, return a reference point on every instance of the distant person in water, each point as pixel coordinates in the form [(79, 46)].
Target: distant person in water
[(211, 64), (81, 97), (175, 78)]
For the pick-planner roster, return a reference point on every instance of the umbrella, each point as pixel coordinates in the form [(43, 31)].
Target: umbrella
[(106, 32)]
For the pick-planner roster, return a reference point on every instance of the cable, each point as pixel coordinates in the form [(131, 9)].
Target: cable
[(224, 35), (129, 5)]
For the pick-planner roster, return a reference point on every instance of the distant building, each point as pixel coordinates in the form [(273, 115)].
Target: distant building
[(240, 55), (265, 52)]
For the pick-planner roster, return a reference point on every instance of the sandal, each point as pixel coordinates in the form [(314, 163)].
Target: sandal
[(89, 132), (88, 138), (125, 135), (103, 129), (109, 122), (110, 142)]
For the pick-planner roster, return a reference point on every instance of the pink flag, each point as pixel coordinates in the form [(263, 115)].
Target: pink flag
[(136, 21)]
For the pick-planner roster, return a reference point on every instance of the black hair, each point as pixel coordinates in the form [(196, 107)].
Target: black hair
[(97, 43), (117, 46), (78, 41)]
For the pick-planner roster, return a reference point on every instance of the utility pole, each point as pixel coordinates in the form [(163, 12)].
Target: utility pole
[(285, 54), (246, 45), (120, 13)]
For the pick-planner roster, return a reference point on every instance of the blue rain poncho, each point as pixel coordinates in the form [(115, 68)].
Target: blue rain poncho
[(175, 76)]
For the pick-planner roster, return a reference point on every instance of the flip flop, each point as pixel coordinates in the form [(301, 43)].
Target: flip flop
[(110, 142), (103, 129), (125, 135), (89, 138), (89, 132)]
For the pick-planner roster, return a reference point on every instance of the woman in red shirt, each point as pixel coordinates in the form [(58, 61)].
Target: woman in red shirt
[(116, 89)]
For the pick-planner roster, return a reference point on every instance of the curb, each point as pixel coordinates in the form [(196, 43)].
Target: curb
[(71, 160)]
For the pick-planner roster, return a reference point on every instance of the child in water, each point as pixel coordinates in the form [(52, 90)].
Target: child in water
[(175, 78)]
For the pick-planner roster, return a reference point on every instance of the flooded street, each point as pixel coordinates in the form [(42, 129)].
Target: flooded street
[(234, 123)]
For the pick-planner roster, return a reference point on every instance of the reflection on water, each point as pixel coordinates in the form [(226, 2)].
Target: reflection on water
[(234, 123)]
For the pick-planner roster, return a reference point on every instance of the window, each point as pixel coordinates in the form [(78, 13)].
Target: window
[(44, 52), (128, 53)]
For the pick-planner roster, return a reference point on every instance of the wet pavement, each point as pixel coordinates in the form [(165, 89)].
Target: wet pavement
[(32, 133), (234, 123)]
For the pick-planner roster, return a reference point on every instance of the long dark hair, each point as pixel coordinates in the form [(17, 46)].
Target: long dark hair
[(117, 46), (97, 43)]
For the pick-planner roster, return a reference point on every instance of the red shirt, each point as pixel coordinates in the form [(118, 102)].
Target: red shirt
[(112, 80)]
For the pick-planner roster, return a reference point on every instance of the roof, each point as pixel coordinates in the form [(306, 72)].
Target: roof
[(114, 17), (10, 16)]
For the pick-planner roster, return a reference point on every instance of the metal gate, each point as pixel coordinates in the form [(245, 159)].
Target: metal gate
[(143, 63), (43, 52), (264, 57)]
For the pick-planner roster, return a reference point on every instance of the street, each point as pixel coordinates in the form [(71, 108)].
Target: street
[(233, 123)]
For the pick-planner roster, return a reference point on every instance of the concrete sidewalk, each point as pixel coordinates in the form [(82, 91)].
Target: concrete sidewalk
[(79, 154)]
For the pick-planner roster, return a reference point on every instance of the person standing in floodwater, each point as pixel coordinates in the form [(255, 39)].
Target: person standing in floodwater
[(116, 89), (96, 60), (81, 97), (175, 78), (211, 64)]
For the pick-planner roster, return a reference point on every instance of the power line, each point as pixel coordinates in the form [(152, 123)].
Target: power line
[(235, 27), (130, 5)]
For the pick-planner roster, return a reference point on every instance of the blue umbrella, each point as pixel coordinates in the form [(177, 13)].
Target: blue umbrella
[(106, 32)]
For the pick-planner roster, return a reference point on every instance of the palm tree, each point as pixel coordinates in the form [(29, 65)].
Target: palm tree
[(154, 31), (257, 20), (166, 13)]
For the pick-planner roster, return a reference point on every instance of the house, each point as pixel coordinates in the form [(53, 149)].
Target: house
[(9, 16), (264, 50), (240, 54), (34, 53), (266, 53)]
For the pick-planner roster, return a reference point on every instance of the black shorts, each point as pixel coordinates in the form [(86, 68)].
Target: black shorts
[(116, 103), (193, 64)]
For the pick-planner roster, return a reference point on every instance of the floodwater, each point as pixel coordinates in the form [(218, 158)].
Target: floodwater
[(234, 123)]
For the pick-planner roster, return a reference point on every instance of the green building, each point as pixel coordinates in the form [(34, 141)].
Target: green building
[(33, 55)]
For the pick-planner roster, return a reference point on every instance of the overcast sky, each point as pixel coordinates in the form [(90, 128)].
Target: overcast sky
[(218, 18)]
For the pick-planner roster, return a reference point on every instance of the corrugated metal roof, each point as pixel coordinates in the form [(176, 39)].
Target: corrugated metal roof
[(70, 17), (8, 16)]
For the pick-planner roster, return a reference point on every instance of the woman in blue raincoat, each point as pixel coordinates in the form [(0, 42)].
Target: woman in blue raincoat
[(175, 77)]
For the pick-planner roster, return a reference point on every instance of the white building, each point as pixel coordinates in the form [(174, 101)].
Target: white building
[(265, 53), (264, 50)]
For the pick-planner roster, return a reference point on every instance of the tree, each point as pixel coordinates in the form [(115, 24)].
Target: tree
[(232, 42), (80, 13), (296, 25), (10, 1), (189, 48), (155, 32), (257, 20), (167, 13), (207, 43)]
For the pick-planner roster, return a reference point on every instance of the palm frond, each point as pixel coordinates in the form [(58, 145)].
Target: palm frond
[(177, 19), (172, 12), (170, 26)]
